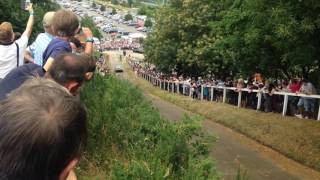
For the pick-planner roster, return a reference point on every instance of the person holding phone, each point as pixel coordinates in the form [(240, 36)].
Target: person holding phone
[(65, 26), (12, 51)]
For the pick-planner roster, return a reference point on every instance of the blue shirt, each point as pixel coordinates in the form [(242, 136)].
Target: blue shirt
[(38, 47), (18, 76), (56, 47)]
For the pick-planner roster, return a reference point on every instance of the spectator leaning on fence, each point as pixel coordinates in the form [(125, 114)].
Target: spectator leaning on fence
[(306, 104), (35, 51), (65, 26), (42, 132), (11, 51)]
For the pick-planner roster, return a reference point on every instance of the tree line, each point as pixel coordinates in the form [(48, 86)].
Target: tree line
[(233, 38), (12, 11)]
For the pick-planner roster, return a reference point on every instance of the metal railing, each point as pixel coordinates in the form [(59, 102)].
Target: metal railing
[(174, 87)]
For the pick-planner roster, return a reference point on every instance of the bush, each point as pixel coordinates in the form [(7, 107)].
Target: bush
[(88, 22), (114, 11), (148, 23), (103, 8), (128, 17), (128, 139)]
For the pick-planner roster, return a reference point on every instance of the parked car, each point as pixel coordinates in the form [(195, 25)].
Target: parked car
[(138, 50)]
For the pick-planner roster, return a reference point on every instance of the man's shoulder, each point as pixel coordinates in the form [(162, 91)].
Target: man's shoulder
[(17, 76), (26, 69)]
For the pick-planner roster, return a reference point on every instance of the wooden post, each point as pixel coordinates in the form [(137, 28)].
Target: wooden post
[(168, 82), (239, 98), (259, 100), (224, 95), (285, 105)]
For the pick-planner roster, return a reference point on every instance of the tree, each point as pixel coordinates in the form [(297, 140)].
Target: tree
[(128, 17), (235, 37), (88, 22), (103, 8), (130, 3), (115, 2), (114, 11), (148, 23), (93, 5), (12, 12)]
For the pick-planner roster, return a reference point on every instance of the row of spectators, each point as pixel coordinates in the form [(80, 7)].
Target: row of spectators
[(302, 107), (116, 44), (43, 129)]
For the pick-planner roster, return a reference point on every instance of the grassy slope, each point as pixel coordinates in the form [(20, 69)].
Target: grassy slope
[(128, 139), (295, 138)]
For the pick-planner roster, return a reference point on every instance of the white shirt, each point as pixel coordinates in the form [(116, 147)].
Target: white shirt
[(8, 55)]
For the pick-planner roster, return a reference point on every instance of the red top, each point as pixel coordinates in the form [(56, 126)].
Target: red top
[(295, 87)]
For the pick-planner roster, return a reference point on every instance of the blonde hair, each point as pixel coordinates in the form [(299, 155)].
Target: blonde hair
[(6, 32)]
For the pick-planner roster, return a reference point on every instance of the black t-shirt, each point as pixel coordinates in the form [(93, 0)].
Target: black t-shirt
[(18, 76)]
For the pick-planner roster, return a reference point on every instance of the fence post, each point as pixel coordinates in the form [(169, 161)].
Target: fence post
[(172, 89), (285, 105), (224, 95), (211, 98), (259, 100), (177, 88), (239, 98), (183, 89), (319, 113), (202, 92), (168, 86)]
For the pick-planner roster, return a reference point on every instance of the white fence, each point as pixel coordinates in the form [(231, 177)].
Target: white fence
[(174, 87)]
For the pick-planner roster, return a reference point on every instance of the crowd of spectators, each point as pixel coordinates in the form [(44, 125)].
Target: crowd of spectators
[(116, 44), (301, 107), (42, 122)]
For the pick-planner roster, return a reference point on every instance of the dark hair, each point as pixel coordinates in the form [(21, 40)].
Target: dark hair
[(91, 63), (42, 128), (76, 42), (68, 67), (17, 35), (65, 23)]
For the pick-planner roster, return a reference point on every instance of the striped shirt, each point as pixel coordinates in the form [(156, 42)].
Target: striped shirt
[(39, 46)]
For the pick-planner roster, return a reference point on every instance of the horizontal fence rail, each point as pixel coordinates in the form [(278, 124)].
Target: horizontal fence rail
[(185, 89)]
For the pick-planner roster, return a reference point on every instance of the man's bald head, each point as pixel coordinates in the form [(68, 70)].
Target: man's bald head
[(68, 67)]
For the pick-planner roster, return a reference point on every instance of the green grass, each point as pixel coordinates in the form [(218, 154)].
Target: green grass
[(128, 139), (295, 138)]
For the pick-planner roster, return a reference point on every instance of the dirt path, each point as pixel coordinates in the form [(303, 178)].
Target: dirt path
[(233, 150), (229, 151)]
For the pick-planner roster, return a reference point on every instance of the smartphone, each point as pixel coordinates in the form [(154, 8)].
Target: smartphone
[(25, 4)]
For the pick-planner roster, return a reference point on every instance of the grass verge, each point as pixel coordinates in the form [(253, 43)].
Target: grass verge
[(128, 139), (295, 138)]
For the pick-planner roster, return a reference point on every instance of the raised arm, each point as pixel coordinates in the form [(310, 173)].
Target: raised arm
[(30, 22), (89, 41)]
